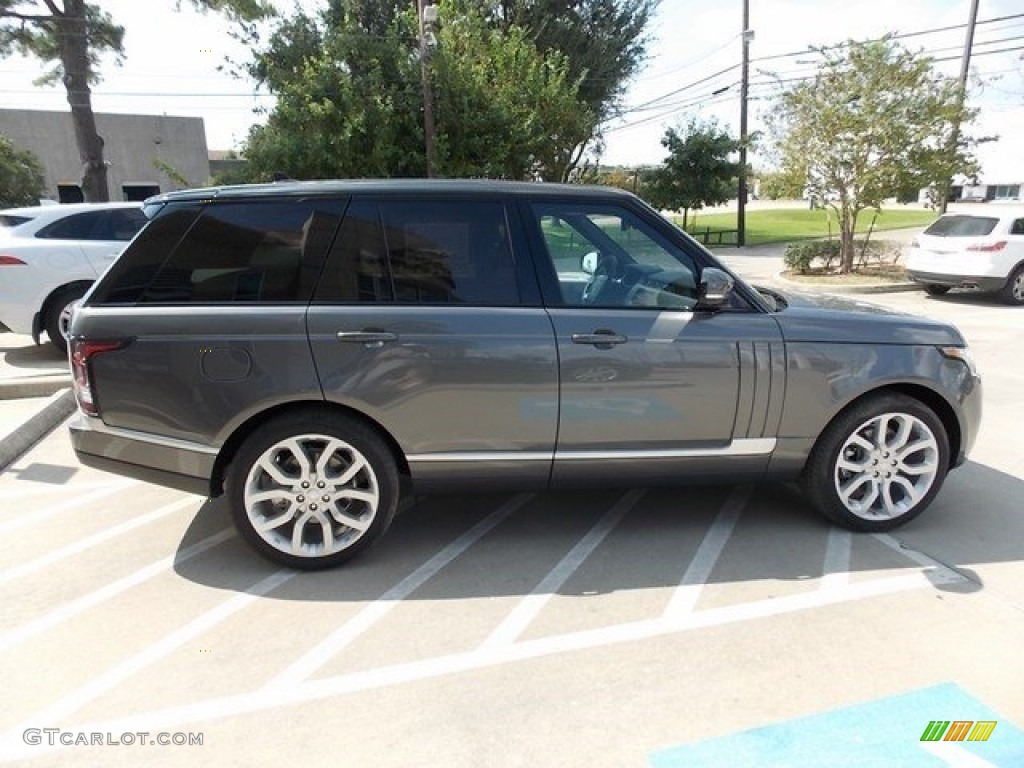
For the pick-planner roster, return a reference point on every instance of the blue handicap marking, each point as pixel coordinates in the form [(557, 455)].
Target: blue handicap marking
[(885, 732)]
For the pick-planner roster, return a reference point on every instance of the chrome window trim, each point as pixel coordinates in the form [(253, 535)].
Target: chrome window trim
[(97, 425)]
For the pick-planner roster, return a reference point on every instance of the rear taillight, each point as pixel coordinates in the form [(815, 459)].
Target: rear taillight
[(11, 261), (81, 351), (988, 247)]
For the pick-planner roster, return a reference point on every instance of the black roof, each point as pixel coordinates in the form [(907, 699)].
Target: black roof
[(390, 186)]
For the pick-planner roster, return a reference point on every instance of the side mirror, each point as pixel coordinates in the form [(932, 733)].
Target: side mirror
[(715, 288), (588, 262)]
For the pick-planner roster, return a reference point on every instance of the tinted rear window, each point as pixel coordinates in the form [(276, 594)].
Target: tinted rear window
[(269, 250), (962, 226)]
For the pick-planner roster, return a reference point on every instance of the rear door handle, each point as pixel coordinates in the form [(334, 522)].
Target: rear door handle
[(372, 339), (601, 338)]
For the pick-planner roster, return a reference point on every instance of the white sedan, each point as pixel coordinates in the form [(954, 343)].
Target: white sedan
[(50, 255)]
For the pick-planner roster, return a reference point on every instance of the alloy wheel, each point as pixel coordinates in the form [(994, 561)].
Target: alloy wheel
[(886, 466), (311, 495)]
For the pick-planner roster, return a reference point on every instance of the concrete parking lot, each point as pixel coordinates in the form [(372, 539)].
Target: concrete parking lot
[(606, 628)]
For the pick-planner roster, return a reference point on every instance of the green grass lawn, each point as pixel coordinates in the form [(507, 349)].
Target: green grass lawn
[(785, 224)]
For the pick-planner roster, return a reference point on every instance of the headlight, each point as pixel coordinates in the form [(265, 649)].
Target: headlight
[(963, 354)]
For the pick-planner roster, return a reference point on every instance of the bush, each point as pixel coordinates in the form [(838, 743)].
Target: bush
[(823, 255), (800, 257)]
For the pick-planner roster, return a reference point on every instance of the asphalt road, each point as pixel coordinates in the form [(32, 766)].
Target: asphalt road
[(622, 628)]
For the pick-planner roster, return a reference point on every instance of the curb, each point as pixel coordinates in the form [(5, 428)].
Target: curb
[(863, 288), (35, 428), (34, 386)]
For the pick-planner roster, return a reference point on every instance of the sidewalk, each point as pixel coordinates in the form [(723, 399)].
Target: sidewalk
[(35, 394)]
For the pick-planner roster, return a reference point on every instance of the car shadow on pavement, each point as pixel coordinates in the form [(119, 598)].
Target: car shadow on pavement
[(17, 354), (975, 520), (970, 298)]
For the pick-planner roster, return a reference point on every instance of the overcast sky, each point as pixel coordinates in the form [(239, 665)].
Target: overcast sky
[(172, 58)]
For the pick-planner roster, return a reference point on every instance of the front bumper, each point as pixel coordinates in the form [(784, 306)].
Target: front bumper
[(974, 282), (173, 463)]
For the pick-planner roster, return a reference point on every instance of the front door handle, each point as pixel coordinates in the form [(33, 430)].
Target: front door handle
[(372, 339), (601, 338)]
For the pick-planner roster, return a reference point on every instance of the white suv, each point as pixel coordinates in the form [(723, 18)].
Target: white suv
[(981, 250), (50, 255)]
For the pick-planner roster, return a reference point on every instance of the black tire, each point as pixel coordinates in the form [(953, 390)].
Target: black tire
[(936, 290), (1013, 291), (355, 441), (54, 307), (822, 475)]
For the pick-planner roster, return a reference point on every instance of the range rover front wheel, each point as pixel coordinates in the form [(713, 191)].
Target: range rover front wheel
[(310, 491), (879, 464)]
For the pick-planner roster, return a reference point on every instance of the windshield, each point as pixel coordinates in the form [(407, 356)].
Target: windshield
[(962, 226)]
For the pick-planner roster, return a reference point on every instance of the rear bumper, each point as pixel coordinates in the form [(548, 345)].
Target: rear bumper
[(163, 461), (976, 282)]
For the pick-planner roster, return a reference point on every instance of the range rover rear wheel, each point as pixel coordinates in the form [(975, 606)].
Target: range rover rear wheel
[(879, 464), (936, 290), (312, 490)]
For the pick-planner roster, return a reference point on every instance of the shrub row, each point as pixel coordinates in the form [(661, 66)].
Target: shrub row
[(824, 256)]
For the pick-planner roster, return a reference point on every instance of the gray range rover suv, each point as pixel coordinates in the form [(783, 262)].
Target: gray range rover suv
[(312, 349)]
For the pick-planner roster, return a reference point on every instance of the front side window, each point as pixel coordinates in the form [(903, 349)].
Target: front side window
[(605, 256), (251, 251), (430, 252)]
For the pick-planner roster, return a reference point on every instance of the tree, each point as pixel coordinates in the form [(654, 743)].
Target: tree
[(605, 43), (875, 120), (348, 94), (21, 176), (504, 108), (521, 86), (782, 185), (349, 98), (71, 35), (697, 171)]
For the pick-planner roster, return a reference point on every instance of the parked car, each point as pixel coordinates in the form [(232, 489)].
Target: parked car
[(311, 349), (983, 251), (50, 255)]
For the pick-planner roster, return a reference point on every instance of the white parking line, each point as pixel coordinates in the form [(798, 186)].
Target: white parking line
[(940, 573), (117, 674), (36, 515), (836, 572), (91, 541), (91, 600), (699, 571), (528, 608), (263, 699), (321, 653)]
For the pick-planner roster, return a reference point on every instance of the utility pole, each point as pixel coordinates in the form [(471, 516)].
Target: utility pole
[(427, 13), (965, 69), (741, 198)]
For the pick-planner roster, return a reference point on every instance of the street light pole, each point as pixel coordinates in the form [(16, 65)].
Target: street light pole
[(741, 202), (427, 13)]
